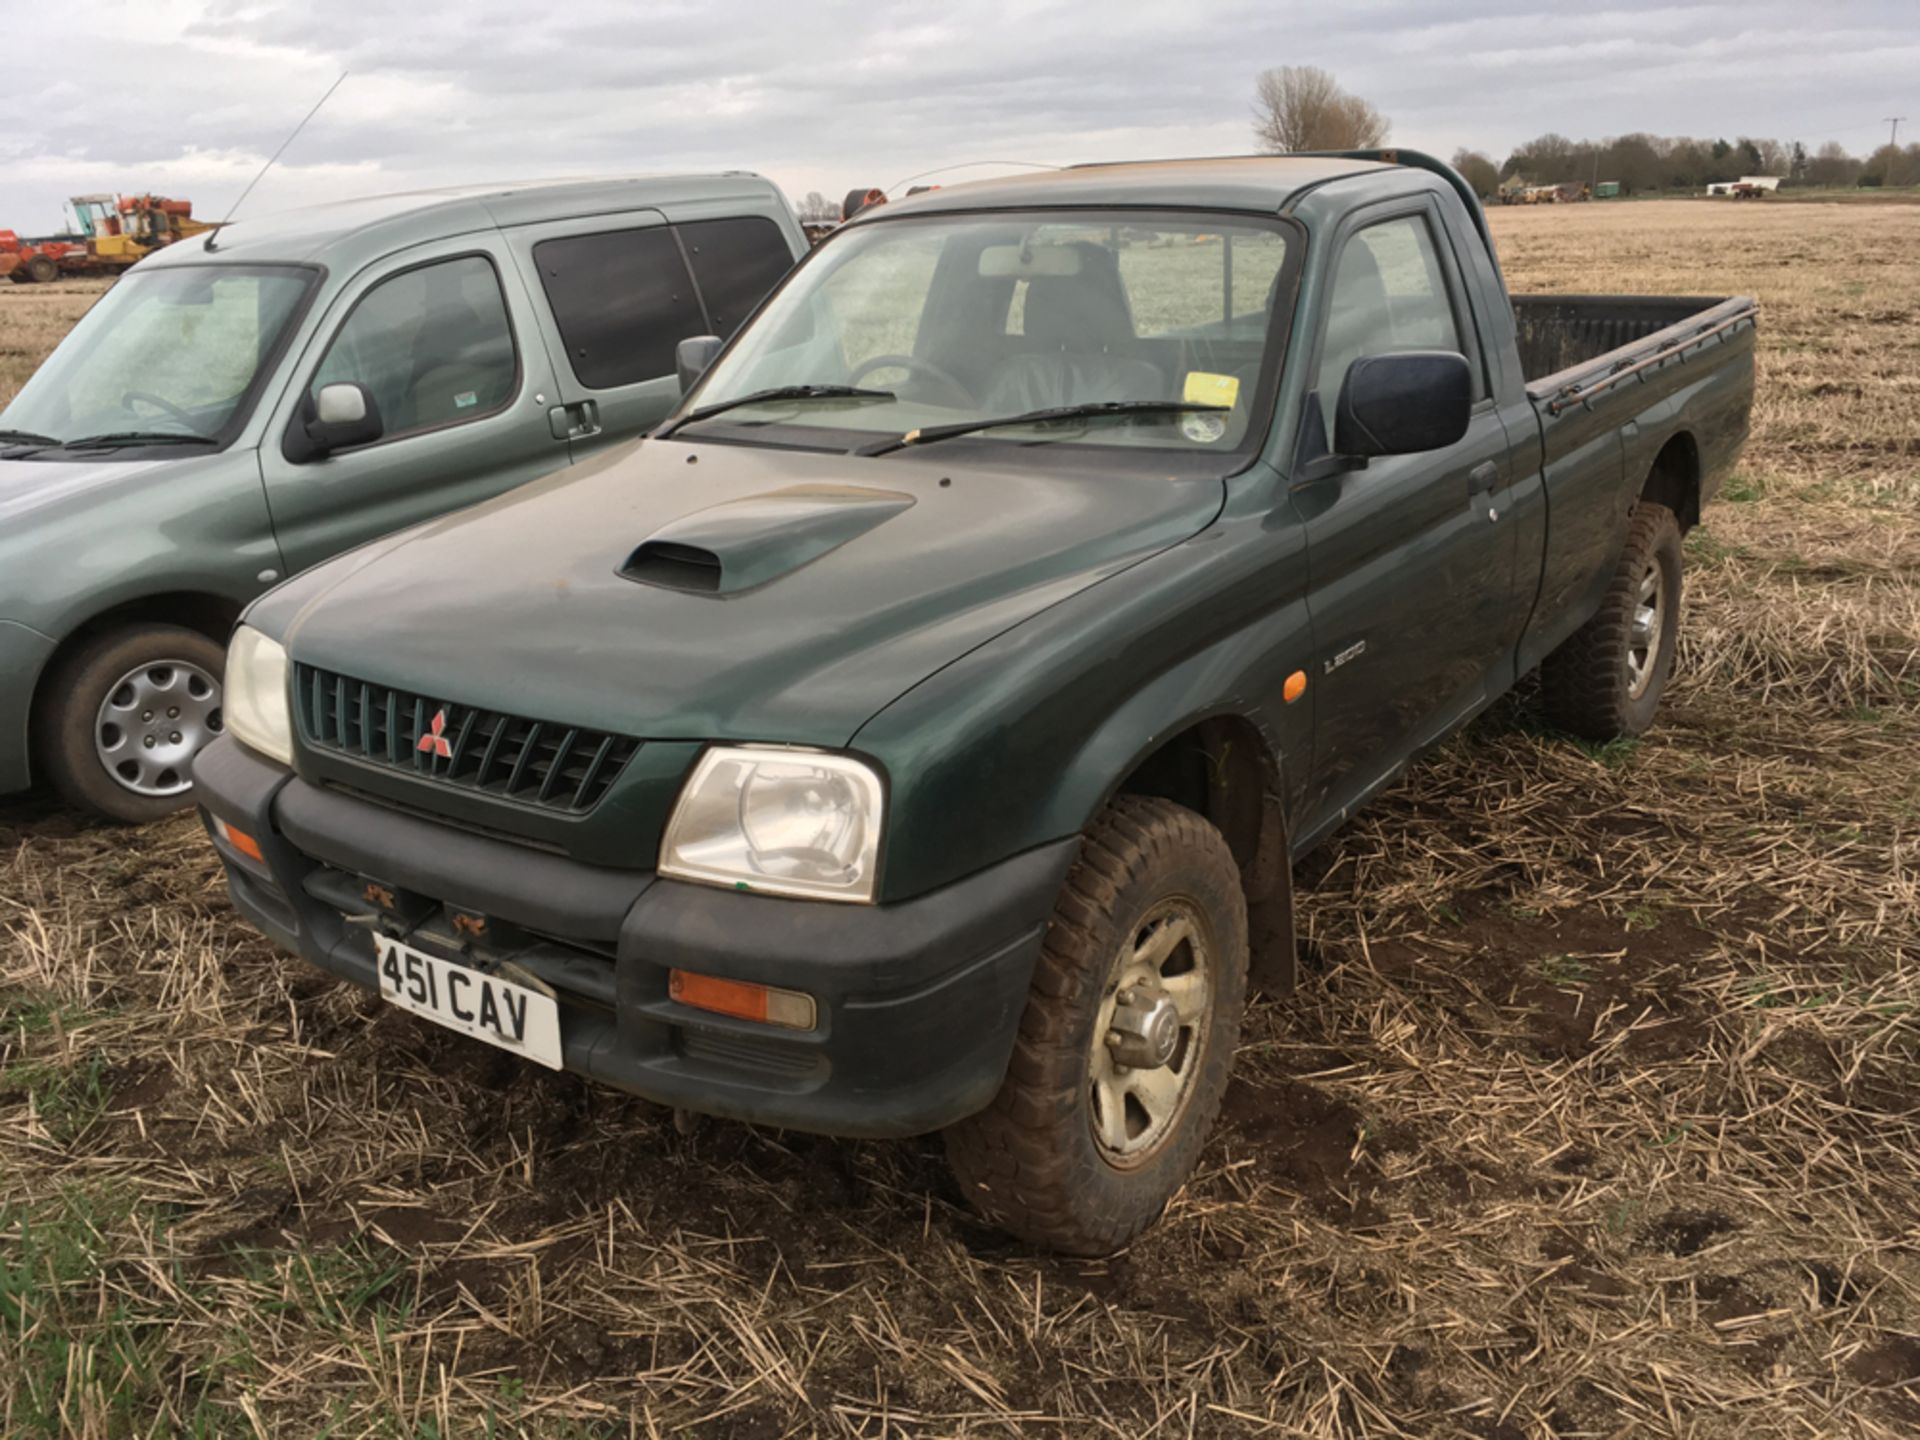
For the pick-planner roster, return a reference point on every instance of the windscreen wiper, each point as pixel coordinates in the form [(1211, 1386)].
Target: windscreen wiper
[(1091, 411), (779, 392), (26, 437), (113, 439)]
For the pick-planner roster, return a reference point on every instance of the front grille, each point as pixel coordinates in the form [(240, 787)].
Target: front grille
[(533, 762)]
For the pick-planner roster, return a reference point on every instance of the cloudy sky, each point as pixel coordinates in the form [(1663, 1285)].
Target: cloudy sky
[(188, 97)]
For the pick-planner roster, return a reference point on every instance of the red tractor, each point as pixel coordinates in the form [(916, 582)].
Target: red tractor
[(37, 261)]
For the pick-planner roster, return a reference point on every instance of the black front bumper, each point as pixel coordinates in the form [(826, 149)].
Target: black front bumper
[(918, 1002)]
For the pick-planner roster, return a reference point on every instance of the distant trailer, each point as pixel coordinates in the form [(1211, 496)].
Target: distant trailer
[(1607, 190)]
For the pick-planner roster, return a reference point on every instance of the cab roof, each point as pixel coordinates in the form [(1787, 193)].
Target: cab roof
[(312, 233), (1259, 184)]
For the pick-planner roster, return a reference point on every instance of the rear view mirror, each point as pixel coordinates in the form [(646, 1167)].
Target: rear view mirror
[(1403, 404), (692, 356), (338, 417)]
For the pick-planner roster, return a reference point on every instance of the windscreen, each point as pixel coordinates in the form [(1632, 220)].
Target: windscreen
[(174, 349), (961, 318)]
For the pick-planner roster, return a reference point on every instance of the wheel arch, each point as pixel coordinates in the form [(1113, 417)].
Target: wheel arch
[(1674, 478), (1223, 766), (211, 615)]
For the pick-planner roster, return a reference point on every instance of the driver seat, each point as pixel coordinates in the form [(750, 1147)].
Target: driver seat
[(1081, 330)]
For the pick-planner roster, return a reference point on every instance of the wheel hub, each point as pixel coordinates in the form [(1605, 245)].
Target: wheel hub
[(153, 721), (1643, 637), (1149, 1038), (1145, 1030)]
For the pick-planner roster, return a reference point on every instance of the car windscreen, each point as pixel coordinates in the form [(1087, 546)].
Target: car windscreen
[(172, 350), (974, 317)]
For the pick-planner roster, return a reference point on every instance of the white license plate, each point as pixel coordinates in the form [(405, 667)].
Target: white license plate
[(483, 1006)]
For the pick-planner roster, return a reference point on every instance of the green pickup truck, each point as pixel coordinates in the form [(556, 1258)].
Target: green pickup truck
[(918, 730), (238, 408)]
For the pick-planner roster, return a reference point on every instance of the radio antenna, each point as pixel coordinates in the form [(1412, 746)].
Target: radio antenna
[(275, 156)]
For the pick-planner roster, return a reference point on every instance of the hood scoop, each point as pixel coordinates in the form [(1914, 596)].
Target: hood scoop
[(743, 544)]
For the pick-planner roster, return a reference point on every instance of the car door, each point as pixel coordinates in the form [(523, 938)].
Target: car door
[(616, 299), (1411, 569), (442, 337)]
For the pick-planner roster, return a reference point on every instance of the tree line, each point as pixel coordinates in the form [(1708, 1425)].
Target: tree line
[(1302, 107), (1643, 164)]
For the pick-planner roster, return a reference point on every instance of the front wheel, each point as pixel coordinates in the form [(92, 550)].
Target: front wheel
[(124, 715), (1606, 679), (1125, 1044)]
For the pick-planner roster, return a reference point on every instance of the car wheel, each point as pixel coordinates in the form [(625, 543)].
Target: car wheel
[(1127, 1037), (125, 713), (1606, 679)]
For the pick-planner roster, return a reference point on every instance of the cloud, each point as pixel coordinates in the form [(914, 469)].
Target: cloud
[(190, 96)]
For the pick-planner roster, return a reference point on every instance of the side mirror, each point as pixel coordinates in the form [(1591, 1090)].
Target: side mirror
[(340, 416), (692, 356), (1403, 404)]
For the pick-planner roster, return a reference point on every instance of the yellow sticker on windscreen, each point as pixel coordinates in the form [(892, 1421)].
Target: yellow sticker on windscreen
[(1208, 389)]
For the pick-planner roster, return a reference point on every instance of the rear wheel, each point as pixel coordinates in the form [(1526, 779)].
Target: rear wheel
[(1606, 679), (125, 714), (1126, 1041), (41, 269)]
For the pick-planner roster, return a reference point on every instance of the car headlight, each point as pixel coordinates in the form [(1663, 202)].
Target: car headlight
[(778, 821), (256, 695)]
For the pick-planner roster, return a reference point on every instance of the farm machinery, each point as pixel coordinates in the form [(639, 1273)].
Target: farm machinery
[(110, 233)]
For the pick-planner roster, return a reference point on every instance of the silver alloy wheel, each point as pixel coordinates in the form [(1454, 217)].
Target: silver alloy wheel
[(1150, 1037), (1643, 642), (153, 721)]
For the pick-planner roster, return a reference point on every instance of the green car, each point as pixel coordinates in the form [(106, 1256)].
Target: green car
[(238, 409), (918, 730)]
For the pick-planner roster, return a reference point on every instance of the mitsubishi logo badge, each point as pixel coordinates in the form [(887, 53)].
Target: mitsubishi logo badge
[(436, 737)]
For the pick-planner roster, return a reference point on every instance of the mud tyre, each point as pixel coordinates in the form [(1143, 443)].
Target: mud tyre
[(1080, 1151), (101, 705), (1606, 679)]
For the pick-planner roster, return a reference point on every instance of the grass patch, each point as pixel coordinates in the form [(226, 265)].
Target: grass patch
[(65, 1098), (1563, 970), (80, 1355)]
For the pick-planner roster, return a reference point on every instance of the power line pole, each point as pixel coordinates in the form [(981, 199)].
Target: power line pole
[(1893, 137)]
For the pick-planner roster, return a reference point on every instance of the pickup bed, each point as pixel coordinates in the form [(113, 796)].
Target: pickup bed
[(918, 731)]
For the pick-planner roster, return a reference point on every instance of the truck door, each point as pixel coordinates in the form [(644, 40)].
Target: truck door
[(1411, 569), (442, 336), (619, 293)]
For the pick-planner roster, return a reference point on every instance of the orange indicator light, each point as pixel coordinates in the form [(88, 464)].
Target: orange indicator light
[(743, 1000), (240, 840)]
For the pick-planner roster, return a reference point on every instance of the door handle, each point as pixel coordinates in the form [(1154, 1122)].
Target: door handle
[(575, 421), (1482, 478)]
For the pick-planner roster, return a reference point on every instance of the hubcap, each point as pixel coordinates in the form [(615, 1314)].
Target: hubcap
[(153, 721), (1643, 640), (1151, 1033)]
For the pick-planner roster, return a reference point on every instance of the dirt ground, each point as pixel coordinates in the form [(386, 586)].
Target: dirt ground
[(1597, 1111)]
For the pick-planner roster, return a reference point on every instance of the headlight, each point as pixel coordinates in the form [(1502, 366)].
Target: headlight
[(256, 698), (778, 821)]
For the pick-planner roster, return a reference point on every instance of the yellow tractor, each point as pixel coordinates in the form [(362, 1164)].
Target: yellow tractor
[(121, 229)]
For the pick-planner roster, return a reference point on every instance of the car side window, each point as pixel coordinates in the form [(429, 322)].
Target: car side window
[(622, 300), (1389, 295), (735, 263), (432, 344)]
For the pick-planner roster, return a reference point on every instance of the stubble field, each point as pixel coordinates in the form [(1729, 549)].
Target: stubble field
[(1597, 1111)]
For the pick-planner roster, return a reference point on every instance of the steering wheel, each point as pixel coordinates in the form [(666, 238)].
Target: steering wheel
[(127, 400), (925, 370)]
